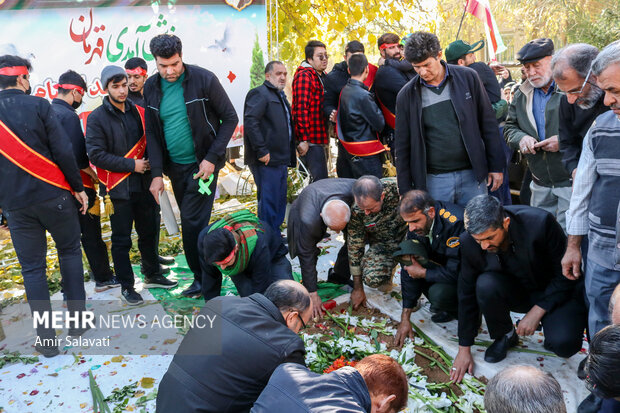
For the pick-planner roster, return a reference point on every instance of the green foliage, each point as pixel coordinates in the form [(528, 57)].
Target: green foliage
[(600, 30), (257, 70), (8, 357)]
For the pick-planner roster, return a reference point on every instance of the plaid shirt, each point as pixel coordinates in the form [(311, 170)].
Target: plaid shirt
[(310, 125)]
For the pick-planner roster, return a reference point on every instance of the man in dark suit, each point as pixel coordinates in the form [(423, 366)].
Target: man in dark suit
[(510, 261), (320, 205), (224, 365), (269, 143)]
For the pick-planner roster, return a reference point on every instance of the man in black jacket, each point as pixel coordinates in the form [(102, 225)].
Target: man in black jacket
[(38, 173), (269, 143), (224, 365), (189, 121), (321, 205), (137, 74), (434, 230), (447, 140), (511, 262), (71, 89), (582, 101), (115, 142), (360, 120)]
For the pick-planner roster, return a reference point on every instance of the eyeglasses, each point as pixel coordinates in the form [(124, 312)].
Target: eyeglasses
[(578, 92), (322, 56), (302, 320)]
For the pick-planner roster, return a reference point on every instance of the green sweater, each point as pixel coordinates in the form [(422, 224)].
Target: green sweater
[(177, 130)]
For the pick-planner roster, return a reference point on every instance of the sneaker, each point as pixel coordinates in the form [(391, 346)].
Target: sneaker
[(498, 350), (47, 351), (159, 281), (166, 260), (131, 297), (106, 285)]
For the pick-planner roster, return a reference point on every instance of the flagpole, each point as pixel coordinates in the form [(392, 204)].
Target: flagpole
[(462, 17)]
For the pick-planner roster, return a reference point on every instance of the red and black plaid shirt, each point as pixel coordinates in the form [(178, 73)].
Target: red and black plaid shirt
[(310, 124)]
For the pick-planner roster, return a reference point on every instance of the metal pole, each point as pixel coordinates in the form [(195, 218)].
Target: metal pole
[(462, 17)]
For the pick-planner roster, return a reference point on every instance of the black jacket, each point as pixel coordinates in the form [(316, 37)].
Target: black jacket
[(70, 122), (269, 247), (107, 144), (444, 258), (359, 117), (477, 122), (305, 227), (295, 389), (266, 126), (225, 368), (334, 82), (574, 124), (212, 118), (33, 121), (391, 77), (539, 243), (489, 81), (137, 98)]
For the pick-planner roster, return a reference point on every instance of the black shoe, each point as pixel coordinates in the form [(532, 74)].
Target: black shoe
[(131, 297), (334, 278), (498, 350), (106, 285), (77, 332), (581, 369), (163, 269), (194, 290), (442, 317), (47, 351), (159, 281), (166, 260)]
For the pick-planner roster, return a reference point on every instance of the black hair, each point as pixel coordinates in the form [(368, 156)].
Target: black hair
[(416, 200), (368, 186), (420, 46), (270, 65), (310, 46), (136, 62), (115, 79), (354, 47), (357, 64), (603, 364), (70, 77), (218, 244), (166, 46), (9, 61)]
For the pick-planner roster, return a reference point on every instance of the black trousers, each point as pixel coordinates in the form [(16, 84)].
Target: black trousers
[(365, 165), (94, 247), (195, 210), (563, 326), (342, 273), (142, 210), (59, 217)]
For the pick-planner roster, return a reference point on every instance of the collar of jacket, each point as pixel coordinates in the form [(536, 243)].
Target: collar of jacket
[(527, 89), (269, 307), (270, 86), (355, 82), (187, 71), (341, 67), (58, 101), (353, 380), (129, 106), (11, 92)]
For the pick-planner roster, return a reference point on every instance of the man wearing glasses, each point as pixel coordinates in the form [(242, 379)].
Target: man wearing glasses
[(532, 128), (308, 114)]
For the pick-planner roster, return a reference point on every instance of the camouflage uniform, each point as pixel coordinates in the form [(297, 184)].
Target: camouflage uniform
[(383, 231)]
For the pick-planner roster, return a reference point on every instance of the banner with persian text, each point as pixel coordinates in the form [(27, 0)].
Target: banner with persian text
[(217, 35)]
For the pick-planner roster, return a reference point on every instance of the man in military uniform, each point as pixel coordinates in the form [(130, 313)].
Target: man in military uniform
[(374, 220), (429, 256)]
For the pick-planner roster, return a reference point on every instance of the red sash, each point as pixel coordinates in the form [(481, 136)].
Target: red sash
[(111, 179), (390, 118), (87, 180), (29, 160), (365, 148)]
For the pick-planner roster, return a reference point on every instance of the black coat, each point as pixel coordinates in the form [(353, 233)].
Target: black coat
[(391, 77), (359, 117), (107, 144), (477, 122), (444, 258), (33, 121), (266, 126), (212, 118), (70, 122), (539, 243), (225, 368), (574, 124), (305, 227), (489, 81), (334, 82)]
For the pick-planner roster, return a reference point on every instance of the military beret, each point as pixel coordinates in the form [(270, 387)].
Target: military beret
[(535, 50)]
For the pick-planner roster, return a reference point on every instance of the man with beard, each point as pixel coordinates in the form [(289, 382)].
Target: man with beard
[(391, 76), (532, 128), (71, 88), (433, 237), (269, 143), (136, 69), (582, 101), (116, 145)]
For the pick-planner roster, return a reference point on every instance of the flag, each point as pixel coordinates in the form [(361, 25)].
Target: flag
[(482, 10)]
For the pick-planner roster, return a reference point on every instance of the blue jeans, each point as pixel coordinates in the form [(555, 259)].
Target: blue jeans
[(316, 162), (271, 193), (455, 187), (600, 284)]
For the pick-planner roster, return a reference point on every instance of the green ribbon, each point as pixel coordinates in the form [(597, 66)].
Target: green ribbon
[(204, 185)]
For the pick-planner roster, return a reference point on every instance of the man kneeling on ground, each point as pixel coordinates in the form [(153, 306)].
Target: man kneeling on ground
[(376, 384), (240, 246)]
